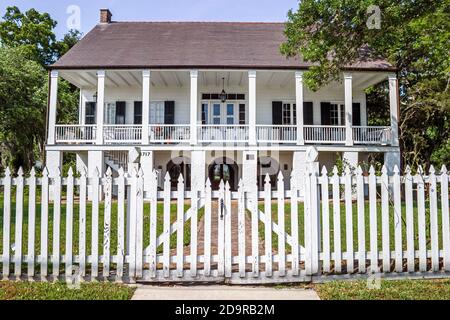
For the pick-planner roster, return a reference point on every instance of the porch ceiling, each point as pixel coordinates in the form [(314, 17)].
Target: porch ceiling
[(180, 78)]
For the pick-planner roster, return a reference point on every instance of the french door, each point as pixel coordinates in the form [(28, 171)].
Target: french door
[(218, 113)]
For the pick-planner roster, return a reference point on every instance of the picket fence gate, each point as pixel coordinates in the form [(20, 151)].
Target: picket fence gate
[(325, 227)]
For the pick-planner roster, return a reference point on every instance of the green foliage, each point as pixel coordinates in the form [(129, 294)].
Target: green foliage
[(413, 37), (27, 45)]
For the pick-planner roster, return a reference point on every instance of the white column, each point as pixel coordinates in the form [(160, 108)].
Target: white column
[(252, 107), (95, 161), (194, 106), (394, 108), (54, 161), (147, 161), (351, 158), (100, 104), (52, 107), (392, 159), (145, 105), (348, 109), (299, 102), (82, 161), (198, 170)]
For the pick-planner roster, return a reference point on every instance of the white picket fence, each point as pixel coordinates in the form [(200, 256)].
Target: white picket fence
[(326, 226)]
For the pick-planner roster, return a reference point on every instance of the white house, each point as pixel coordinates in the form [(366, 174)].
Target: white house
[(210, 99)]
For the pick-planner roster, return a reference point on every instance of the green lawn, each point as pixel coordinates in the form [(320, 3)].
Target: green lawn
[(390, 290), (10, 290), (287, 210), (114, 228)]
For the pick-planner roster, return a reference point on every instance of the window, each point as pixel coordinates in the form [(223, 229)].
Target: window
[(204, 113), (337, 114), (216, 113), (120, 112), (157, 113), (289, 114), (242, 114), (216, 96), (230, 113), (90, 113)]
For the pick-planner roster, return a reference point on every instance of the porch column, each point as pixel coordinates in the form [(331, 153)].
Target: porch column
[(299, 102), (53, 100), (198, 170), (54, 162), (394, 108), (194, 106), (348, 109), (100, 104), (252, 107), (95, 162), (145, 106)]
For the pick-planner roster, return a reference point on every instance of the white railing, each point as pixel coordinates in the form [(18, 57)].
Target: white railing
[(221, 133), (122, 134), (392, 225), (160, 133), (278, 134), (372, 135), (75, 133), (324, 134)]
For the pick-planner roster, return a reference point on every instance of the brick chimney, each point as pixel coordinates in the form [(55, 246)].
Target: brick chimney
[(105, 16)]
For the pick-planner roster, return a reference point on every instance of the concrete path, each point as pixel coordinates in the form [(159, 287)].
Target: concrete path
[(146, 292)]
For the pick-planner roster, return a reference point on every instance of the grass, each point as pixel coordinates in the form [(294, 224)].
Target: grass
[(10, 290), (390, 290), (287, 210)]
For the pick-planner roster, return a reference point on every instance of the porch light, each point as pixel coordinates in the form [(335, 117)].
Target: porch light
[(223, 94)]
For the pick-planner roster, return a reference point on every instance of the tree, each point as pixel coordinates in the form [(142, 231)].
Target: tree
[(27, 45), (413, 37)]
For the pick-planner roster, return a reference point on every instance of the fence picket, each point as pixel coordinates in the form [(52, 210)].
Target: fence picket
[(56, 223), (398, 220), (385, 220), (207, 236), (373, 220), (69, 225), (281, 227), (421, 220), (153, 223), (221, 231), (194, 229), (241, 230), (294, 228), (268, 225), (180, 230), (44, 224), (325, 221), (167, 224), (6, 222), (315, 219), (107, 224), (139, 223), (361, 220), (18, 224), (445, 218), (120, 223), (434, 221), (349, 218), (31, 223), (82, 222), (252, 199), (337, 220), (94, 227), (409, 200), (131, 227), (227, 230)]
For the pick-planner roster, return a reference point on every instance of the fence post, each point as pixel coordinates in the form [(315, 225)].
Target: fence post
[(315, 217)]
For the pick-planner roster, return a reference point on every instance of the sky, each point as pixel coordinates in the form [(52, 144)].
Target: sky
[(84, 14)]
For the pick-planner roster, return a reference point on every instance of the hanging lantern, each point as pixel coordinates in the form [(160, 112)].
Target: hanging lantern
[(223, 94)]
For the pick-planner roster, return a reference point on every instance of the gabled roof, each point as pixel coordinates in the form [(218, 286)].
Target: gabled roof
[(171, 45)]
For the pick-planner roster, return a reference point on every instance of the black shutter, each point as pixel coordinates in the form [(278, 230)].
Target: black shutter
[(242, 119), (357, 114), (308, 118), (277, 112), (120, 112), (169, 112), (325, 111), (90, 113), (137, 112)]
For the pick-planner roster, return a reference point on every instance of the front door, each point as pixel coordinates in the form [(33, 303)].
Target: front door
[(222, 171), (218, 113)]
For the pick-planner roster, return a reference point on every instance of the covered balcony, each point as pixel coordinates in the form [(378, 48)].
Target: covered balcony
[(186, 107)]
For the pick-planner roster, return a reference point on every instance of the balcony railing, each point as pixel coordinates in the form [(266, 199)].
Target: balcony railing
[(324, 134), (75, 133), (223, 133), (122, 134), (372, 135), (167, 134), (276, 134)]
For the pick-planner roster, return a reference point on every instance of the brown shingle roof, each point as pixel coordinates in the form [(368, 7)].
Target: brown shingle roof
[(186, 45)]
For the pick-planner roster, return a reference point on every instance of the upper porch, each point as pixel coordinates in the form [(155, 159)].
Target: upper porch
[(197, 107)]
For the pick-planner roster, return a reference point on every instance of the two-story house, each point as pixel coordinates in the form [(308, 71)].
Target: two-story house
[(210, 99)]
